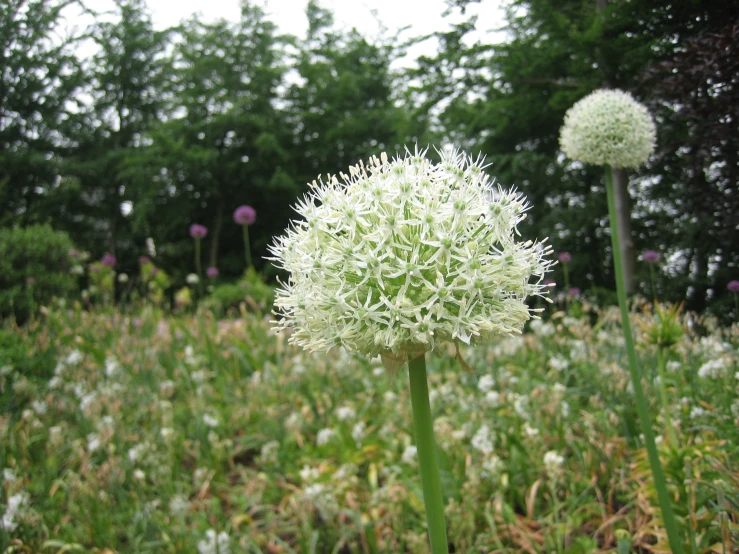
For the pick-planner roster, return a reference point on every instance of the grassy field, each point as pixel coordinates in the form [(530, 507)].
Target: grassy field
[(153, 433)]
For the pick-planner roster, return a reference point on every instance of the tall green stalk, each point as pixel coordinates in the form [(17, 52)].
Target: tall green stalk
[(198, 266), (661, 363), (247, 247), (660, 484), (427, 462), (651, 279)]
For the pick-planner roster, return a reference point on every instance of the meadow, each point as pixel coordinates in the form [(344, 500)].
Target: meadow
[(153, 432)]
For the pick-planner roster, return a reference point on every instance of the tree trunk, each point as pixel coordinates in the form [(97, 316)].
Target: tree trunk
[(623, 224)]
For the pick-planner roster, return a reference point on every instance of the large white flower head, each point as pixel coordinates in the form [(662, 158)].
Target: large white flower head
[(608, 127), (401, 255)]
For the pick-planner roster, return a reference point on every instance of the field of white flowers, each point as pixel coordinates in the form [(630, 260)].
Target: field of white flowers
[(155, 433)]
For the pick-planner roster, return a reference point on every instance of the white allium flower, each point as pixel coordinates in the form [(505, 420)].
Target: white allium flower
[(608, 127), (122, 278), (192, 279), (404, 254), (214, 543)]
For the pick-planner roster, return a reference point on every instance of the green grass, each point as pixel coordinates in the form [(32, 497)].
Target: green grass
[(202, 425)]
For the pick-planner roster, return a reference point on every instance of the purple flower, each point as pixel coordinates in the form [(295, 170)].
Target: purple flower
[(565, 257), (74, 253), (245, 215), (143, 260), (212, 272), (650, 256), (574, 291), (30, 281), (733, 286), (198, 231), (108, 260)]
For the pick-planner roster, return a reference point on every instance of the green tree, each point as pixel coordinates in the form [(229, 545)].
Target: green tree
[(226, 143), (344, 106), (38, 78), (127, 76), (515, 97)]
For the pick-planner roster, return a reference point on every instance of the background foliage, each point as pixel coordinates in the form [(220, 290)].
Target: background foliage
[(159, 129)]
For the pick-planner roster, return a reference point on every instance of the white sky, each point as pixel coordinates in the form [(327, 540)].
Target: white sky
[(424, 16)]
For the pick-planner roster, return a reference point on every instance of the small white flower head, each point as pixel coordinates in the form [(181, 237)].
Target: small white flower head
[(18, 504), (192, 279), (359, 431), (325, 436), (345, 413), (214, 543), (403, 254), (608, 127), (483, 440), (410, 455), (179, 505), (486, 383), (553, 463)]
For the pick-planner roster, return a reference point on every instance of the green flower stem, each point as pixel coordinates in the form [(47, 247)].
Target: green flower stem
[(651, 278), (661, 362), (428, 464), (246, 246), (636, 376), (198, 267)]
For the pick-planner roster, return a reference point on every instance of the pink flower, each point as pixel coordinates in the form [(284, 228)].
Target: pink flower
[(143, 260), (108, 260), (245, 215), (573, 292), (212, 272), (565, 257), (198, 231), (650, 256), (733, 286)]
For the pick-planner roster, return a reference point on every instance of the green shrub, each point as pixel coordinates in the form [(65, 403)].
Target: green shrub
[(34, 268), (252, 290)]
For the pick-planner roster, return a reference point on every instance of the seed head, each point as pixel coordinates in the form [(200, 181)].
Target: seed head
[(608, 127)]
